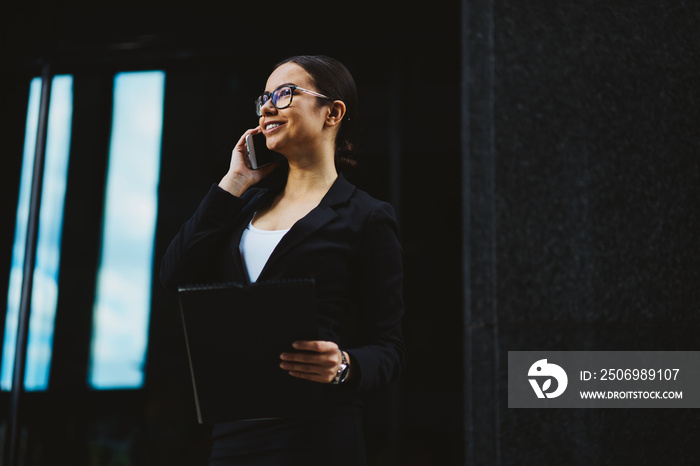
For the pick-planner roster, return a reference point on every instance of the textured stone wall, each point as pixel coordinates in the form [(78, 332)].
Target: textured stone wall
[(582, 199)]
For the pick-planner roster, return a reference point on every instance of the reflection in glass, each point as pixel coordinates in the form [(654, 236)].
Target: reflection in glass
[(45, 285), (122, 303)]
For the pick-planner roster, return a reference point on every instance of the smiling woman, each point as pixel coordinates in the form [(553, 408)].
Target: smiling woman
[(330, 80), (311, 224)]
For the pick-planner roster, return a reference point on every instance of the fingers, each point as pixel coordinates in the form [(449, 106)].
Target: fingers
[(317, 361), (307, 373), (240, 175), (315, 345), (241, 141), (321, 359), (322, 372), (241, 149)]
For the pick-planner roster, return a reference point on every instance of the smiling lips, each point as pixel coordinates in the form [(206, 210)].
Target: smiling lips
[(272, 126)]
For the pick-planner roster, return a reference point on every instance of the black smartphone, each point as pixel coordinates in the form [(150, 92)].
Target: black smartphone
[(258, 153)]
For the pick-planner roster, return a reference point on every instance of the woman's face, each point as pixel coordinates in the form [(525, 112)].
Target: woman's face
[(299, 127)]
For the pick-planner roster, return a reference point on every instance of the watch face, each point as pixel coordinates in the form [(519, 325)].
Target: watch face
[(343, 373)]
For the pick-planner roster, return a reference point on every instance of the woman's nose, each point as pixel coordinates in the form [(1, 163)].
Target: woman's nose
[(268, 108)]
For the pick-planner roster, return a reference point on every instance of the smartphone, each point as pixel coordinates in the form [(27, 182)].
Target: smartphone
[(258, 153)]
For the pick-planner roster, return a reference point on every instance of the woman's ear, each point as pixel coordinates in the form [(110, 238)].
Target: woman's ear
[(336, 113)]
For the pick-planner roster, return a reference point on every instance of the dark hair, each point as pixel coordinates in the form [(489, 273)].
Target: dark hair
[(333, 79)]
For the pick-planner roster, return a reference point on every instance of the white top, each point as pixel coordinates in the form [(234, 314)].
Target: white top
[(256, 248)]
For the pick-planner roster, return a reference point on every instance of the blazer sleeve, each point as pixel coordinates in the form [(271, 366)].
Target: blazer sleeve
[(191, 250), (382, 357)]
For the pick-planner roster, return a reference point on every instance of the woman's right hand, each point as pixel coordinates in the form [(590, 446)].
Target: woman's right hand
[(240, 175)]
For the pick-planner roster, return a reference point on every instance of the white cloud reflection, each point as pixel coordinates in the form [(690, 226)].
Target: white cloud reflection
[(122, 307), (45, 285)]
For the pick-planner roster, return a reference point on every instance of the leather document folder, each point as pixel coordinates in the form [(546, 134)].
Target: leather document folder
[(235, 335)]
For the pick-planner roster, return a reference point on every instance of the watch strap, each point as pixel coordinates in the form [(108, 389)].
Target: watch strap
[(343, 370)]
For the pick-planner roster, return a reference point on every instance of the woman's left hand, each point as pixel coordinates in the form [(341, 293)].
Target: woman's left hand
[(316, 360)]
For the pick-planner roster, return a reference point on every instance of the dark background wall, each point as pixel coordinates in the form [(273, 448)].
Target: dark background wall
[(542, 158), (581, 188)]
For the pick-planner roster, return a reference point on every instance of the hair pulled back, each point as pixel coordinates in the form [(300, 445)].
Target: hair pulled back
[(333, 79)]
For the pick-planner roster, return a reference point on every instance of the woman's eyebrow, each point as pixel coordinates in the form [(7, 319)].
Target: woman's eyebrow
[(281, 85)]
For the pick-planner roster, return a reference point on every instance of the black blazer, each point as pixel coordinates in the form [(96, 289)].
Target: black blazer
[(349, 244)]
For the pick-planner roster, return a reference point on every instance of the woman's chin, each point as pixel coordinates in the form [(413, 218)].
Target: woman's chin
[(276, 147), (271, 143)]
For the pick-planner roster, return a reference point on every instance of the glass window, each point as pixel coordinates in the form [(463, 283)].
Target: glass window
[(122, 303), (45, 285)]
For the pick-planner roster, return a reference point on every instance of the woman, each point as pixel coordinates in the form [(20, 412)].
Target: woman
[(313, 224)]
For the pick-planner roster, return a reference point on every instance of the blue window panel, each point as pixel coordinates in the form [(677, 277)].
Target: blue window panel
[(45, 285), (123, 297)]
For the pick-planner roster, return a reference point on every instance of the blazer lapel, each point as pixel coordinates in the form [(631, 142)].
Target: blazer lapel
[(338, 194)]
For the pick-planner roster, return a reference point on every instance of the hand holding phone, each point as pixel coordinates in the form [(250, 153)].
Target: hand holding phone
[(243, 174), (258, 153)]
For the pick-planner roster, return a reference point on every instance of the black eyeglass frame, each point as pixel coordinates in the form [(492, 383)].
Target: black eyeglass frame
[(267, 96)]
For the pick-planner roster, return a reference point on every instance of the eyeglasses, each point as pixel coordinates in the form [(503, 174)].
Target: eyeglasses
[(282, 97)]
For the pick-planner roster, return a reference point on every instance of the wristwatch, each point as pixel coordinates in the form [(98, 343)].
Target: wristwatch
[(343, 371)]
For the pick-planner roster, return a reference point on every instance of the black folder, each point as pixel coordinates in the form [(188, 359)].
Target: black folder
[(235, 335)]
